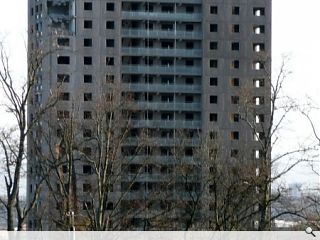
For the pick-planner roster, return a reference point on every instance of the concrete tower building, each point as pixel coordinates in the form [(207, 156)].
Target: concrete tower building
[(185, 65)]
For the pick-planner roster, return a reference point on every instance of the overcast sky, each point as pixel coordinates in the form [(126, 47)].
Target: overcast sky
[(295, 32)]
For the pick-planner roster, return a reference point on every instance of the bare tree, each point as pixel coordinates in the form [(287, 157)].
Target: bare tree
[(13, 139), (266, 123), (88, 167), (235, 191)]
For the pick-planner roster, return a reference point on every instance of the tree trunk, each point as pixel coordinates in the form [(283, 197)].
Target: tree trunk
[(20, 225), (10, 217)]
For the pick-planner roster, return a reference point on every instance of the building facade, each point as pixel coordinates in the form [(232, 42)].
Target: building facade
[(185, 65)]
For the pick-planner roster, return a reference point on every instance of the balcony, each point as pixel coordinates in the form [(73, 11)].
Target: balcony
[(170, 1), (163, 88), (142, 33), (167, 124), (166, 160), (167, 106), (144, 177), (162, 16), (162, 52), (165, 70), (191, 142)]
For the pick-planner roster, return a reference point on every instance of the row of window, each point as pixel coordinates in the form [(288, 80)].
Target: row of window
[(235, 46), (235, 28), (64, 114), (65, 96), (235, 64), (235, 117), (87, 6), (256, 11), (87, 42), (257, 100), (86, 60), (234, 81), (88, 24), (235, 135), (213, 63), (87, 78), (213, 45)]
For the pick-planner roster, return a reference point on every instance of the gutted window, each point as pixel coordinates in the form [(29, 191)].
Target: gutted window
[(259, 118), (87, 115), (87, 24), (87, 6), (87, 42), (86, 169), (166, 116), (213, 9), (189, 27), (189, 116), (234, 135), (189, 45), (86, 187), (64, 96), (167, 8), (63, 78), (87, 60), (63, 42), (235, 82), (235, 117), (258, 65), (235, 64), (258, 83), (235, 10), (259, 29), (258, 136), (63, 114), (213, 99), (189, 9), (235, 99), (258, 101), (189, 62), (213, 63), (235, 46), (109, 206), (169, 26), (213, 27), (189, 98), (109, 78), (257, 154), (213, 81), (109, 61), (63, 60), (87, 97), (87, 78), (110, 43), (213, 45), (258, 11), (189, 81), (258, 47), (110, 25), (213, 117), (213, 134), (109, 6), (87, 133), (235, 28)]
